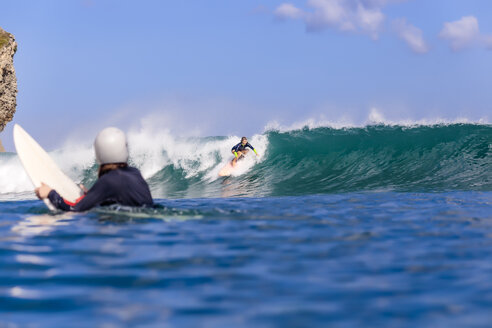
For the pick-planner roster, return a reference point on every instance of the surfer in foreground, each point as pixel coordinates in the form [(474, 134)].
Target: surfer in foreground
[(118, 183), (240, 150)]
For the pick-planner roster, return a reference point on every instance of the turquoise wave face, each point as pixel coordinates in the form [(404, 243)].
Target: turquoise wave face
[(425, 158), (372, 158)]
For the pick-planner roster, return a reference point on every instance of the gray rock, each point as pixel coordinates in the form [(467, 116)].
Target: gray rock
[(8, 81)]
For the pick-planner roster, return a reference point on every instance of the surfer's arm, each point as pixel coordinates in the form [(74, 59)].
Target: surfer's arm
[(59, 202), (45, 191), (235, 148), (92, 198), (252, 148)]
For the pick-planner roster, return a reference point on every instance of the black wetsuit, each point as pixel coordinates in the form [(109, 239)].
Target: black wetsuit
[(241, 147), (124, 186)]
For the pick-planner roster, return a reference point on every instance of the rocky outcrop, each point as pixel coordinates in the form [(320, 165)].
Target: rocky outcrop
[(8, 81)]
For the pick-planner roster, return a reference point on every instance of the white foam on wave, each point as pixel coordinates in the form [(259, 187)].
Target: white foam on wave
[(13, 178), (151, 150), (374, 117)]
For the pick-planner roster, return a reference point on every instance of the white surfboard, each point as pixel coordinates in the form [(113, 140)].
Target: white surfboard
[(41, 168)]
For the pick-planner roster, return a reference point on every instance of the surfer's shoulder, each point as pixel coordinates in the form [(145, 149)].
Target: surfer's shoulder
[(121, 171), (132, 170)]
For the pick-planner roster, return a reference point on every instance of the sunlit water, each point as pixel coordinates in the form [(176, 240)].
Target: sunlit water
[(357, 259)]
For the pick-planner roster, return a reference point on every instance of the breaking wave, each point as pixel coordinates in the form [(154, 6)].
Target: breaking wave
[(378, 157)]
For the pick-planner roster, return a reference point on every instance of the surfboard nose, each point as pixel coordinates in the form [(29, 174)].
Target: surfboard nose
[(18, 129)]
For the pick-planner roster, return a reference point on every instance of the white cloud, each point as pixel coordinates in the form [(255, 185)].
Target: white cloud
[(346, 15), (411, 35), (461, 33), (370, 20), (287, 10), (367, 17), (465, 33), (328, 13)]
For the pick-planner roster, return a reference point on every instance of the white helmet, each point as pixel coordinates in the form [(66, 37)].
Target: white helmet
[(111, 147)]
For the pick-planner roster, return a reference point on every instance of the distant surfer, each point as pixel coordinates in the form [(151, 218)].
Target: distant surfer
[(240, 150), (118, 183)]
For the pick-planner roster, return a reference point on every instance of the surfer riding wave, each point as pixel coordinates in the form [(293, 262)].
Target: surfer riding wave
[(240, 150)]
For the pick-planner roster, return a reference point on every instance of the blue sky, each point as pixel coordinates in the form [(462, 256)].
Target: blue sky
[(231, 67)]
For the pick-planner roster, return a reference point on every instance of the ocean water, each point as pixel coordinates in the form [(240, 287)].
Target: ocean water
[(380, 225)]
